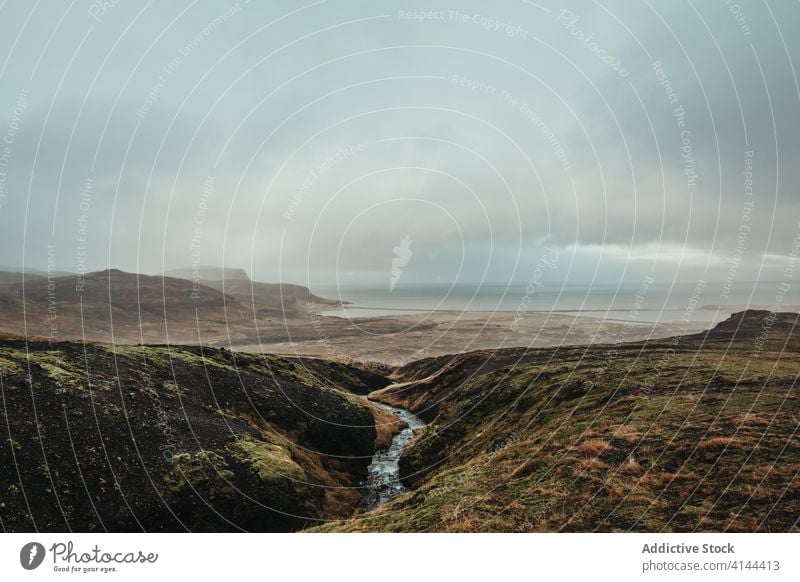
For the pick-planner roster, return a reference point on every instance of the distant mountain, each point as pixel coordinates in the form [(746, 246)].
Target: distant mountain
[(262, 298), (129, 307), (271, 298), (10, 274), (14, 277), (101, 303), (208, 274)]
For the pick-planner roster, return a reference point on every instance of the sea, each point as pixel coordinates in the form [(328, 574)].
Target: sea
[(645, 301)]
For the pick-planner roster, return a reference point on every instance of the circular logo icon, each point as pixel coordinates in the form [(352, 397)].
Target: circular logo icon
[(31, 555)]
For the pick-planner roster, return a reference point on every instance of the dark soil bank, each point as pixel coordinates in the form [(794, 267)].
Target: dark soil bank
[(166, 439)]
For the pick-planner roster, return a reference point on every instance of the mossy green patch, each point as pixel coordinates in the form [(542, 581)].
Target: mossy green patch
[(165, 356), (270, 461), (206, 472), (60, 373), (173, 388), (10, 367)]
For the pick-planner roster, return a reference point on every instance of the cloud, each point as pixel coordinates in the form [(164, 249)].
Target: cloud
[(481, 146)]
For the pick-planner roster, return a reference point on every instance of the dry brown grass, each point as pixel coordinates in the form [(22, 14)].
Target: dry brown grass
[(592, 465), (715, 442), (632, 466), (463, 523), (758, 473), (628, 433), (595, 447), (658, 480), (616, 493), (750, 418)]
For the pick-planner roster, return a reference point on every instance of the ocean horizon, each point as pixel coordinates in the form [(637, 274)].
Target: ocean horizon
[(645, 302)]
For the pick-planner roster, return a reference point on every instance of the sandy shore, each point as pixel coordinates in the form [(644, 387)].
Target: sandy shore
[(398, 339)]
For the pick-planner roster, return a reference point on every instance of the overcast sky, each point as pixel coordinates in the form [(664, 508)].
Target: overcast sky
[(303, 141)]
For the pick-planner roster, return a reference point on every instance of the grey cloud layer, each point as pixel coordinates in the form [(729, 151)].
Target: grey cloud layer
[(343, 126)]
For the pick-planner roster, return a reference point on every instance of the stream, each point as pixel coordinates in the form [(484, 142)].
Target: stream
[(383, 480)]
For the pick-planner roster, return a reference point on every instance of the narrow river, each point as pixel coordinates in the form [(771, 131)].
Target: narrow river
[(383, 481)]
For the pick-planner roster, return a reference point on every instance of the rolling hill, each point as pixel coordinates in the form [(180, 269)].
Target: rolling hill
[(695, 433), (116, 306), (123, 438)]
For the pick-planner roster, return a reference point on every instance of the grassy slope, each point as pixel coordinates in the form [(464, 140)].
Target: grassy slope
[(697, 433), (168, 439)]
